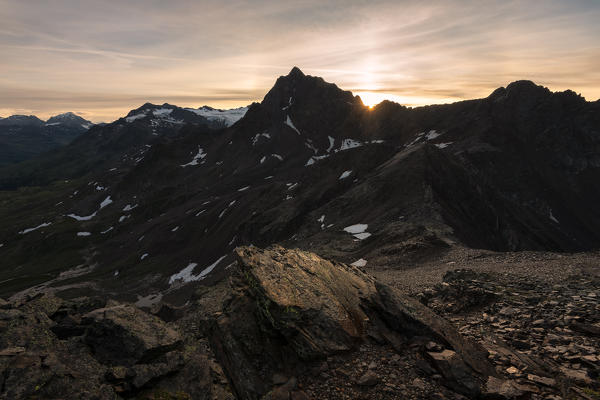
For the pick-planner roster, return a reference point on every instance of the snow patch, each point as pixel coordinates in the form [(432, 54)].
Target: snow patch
[(357, 228), (106, 231), (105, 202), (322, 221), (243, 189), (552, 217), (83, 234), (277, 156), (361, 262), (348, 144), (432, 134), (314, 159), (442, 145), (25, 231), (200, 156), (331, 143), (186, 275), (86, 218), (289, 123), (135, 117), (129, 207), (358, 231), (162, 112), (345, 174), (143, 256), (258, 136)]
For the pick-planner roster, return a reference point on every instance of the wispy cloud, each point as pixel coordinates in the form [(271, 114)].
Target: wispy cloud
[(104, 58)]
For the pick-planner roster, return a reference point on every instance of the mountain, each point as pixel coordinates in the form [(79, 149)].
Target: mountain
[(154, 202), (295, 249), (23, 137)]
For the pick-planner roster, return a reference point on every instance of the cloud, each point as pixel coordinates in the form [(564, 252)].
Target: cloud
[(98, 56)]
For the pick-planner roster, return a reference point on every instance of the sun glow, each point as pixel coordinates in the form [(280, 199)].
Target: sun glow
[(371, 99)]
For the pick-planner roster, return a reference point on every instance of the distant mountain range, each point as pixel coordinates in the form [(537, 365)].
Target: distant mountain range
[(153, 203), (25, 136)]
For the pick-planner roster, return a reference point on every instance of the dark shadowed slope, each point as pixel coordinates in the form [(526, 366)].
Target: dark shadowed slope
[(154, 203)]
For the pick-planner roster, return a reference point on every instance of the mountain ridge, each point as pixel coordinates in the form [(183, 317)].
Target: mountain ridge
[(298, 169), (25, 136)]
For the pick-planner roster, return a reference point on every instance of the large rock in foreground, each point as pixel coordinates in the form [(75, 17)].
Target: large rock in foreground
[(87, 349), (125, 335), (293, 308)]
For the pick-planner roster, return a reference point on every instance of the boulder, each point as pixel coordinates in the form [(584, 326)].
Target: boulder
[(125, 335), (291, 308)]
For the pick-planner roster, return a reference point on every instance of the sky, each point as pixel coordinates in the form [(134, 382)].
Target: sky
[(102, 58)]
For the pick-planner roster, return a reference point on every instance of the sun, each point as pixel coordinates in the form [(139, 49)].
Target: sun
[(371, 99)]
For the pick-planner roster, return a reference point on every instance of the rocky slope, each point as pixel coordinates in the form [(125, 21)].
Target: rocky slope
[(152, 205), (292, 325), (286, 313)]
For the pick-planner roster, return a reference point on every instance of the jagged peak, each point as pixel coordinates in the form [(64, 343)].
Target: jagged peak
[(296, 72), (297, 87)]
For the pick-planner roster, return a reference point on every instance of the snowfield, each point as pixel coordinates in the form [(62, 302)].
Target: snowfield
[(228, 117)]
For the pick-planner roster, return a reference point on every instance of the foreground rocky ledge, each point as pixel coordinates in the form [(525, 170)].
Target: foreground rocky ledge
[(289, 325)]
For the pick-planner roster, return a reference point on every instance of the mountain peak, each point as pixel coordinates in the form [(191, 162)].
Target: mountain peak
[(69, 119), (521, 88), (296, 88), (22, 120), (68, 116), (296, 73)]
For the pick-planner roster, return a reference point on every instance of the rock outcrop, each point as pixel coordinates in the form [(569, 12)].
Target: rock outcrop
[(87, 349), (292, 325), (292, 309)]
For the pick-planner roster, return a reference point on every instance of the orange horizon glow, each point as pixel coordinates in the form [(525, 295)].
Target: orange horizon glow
[(103, 59)]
